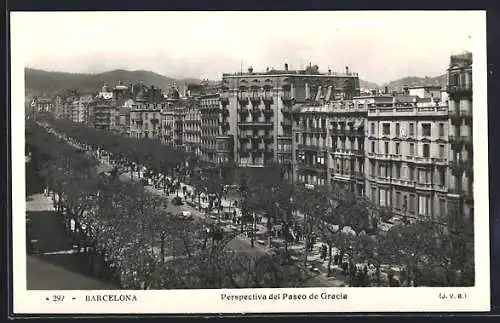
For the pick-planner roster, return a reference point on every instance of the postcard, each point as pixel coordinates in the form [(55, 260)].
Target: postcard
[(249, 162)]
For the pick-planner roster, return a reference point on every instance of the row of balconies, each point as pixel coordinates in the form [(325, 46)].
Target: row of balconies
[(458, 142), (412, 159), (458, 167)]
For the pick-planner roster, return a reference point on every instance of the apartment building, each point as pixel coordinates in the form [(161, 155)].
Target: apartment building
[(263, 102), (145, 120), (192, 128), (58, 107), (81, 110), (407, 150), (329, 144), (210, 110), (461, 191)]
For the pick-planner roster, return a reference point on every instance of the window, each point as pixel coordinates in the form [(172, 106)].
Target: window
[(398, 200), (382, 197), (372, 128), (397, 149), (373, 147), (441, 130), (421, 176), (426, 129), (381, 171), (442, 176), (397, 130), (412, 149), (441, 151), (398, 171), (386, 144), (296, 137), (411, 173), (442, 207), (412, 203), (386, 129), (412, 129), (374, 194), (426, 151)]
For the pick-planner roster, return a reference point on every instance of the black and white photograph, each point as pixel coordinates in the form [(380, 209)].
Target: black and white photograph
[(250, 161)]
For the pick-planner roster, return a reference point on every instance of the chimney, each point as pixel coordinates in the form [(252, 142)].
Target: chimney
[(386, 90), (347, 70), (286, 66), (250, 70), (329, 71)]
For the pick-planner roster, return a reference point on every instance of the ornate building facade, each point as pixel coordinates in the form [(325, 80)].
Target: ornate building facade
[(263, 103), (461, 188)]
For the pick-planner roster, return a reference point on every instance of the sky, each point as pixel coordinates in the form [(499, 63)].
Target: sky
[(379, 46)]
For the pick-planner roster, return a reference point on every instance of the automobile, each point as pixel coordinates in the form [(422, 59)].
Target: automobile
[(177, 201), (185, 215)]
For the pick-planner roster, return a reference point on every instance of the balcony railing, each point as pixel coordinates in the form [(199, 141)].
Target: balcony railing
[(287, 97), (458, 167), (268, 138), (457, 142), (243, 99), (268, 112), (267, 98), (262, 124), (256, 111), (243, 112), (462, 88), (255, 99)]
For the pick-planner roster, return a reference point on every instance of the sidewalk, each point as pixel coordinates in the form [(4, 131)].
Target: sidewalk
[(55, 267)]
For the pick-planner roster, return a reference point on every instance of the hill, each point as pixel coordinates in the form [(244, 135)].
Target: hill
[(38, 82), (368, 85), (416, 81)]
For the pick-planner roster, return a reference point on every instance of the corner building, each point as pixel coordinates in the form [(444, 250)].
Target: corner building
[(407, 151), (262, 103)]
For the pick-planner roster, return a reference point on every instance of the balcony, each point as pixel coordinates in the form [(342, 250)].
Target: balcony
[(268, 112), (456, 118), (268, 138), (458, 167), (423, 186), (457, 142), (225, 112), (316, 130), (267, 99), (286, 110), (245, 137), (257, 150), (256, 112), (224, 125), (243, 112), (224, 100), (286, 123), (243, 99), (423, 160), (395, 157), (287, 98), (460, 89), (316, 168), (252, 124), (255, 99), (256, 138)]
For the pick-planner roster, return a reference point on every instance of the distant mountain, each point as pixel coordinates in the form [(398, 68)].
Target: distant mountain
[(368, 85), (416, 81), (39, 82)]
